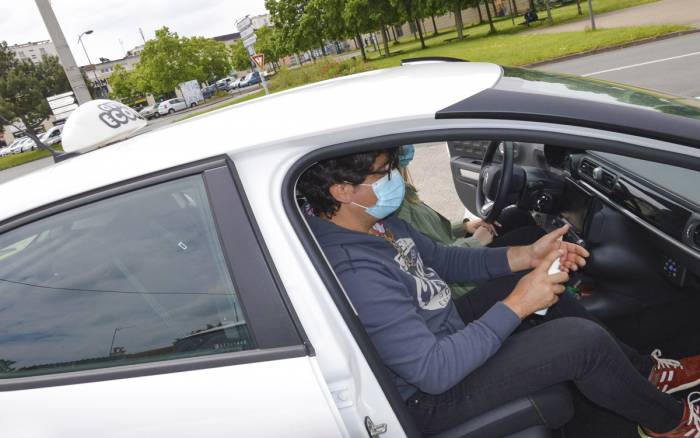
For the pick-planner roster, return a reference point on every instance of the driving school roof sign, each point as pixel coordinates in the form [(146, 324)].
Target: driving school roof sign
[(99, 122)]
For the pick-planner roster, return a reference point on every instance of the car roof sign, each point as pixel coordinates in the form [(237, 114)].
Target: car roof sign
[(98, 123)]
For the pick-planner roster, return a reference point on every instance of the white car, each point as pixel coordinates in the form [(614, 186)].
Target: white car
[(180, 291), (21, 145), (52, 136), (171, 105)]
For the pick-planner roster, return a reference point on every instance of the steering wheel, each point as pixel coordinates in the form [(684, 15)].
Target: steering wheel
[(490, 174)]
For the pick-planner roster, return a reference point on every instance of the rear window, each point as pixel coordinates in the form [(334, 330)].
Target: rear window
[(136, 278)]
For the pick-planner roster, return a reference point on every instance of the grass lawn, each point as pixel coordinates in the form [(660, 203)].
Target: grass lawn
[(527, 48), (25, 157), (504, 25)]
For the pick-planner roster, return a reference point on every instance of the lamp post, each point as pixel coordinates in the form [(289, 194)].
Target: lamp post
[(94, 73)]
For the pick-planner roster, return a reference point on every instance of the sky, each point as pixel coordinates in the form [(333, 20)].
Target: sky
[(115, 20)]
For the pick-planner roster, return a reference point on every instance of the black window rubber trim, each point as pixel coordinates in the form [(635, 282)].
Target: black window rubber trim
[(152, 368), (494, 103), (326, 273), (277, 339)]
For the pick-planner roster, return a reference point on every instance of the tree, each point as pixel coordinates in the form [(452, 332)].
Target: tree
[(456, 6), (268, 43), (239, 56), (358, 20), (127, 85), (412, 10), (24, 87), (213, 58), (169, 59)]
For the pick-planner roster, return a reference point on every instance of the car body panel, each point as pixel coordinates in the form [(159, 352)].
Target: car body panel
[(369, 99), (184, 404)]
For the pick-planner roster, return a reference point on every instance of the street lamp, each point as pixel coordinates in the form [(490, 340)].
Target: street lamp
[(80, 40)]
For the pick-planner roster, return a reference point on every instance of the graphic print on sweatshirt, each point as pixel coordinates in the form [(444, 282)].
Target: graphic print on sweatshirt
[(431, 291)]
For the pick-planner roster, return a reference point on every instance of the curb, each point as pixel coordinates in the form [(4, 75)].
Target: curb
[(611, 48)]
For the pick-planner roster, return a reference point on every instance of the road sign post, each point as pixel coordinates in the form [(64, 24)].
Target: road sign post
[(245, 28)]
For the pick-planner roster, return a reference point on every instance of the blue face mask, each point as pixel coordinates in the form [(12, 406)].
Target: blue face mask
[(406, 155), (389, 191)]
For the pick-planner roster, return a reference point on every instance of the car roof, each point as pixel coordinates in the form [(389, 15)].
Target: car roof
[(364, 99)]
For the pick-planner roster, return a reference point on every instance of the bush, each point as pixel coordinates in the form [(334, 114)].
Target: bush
[(320, 71)]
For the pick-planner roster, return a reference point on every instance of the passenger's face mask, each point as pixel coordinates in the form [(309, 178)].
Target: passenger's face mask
[(389, 191), (406, 155)]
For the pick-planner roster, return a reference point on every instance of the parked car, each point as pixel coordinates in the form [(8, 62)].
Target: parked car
[(171, 105), (21, 145), (223, 84), (52, 136), (250, 79), (150, 111), (235, 84), (181, 290), (209, 91)]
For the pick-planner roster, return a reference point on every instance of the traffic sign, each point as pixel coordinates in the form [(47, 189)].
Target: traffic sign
[(259, 60)]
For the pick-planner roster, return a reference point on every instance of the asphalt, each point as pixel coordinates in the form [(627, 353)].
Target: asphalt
[(681, 12), (671, 65)]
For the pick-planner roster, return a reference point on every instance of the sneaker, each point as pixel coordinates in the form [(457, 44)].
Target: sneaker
[(690, 424), (671, 376)]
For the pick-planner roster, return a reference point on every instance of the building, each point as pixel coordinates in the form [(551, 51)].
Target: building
[(259, 21), (99, 73), (33, 51), (228, 39)]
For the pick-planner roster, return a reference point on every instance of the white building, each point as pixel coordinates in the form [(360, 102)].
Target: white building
[(33, 51), (259, 21)]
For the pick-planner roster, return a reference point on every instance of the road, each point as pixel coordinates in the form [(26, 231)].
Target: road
[(671, 65)]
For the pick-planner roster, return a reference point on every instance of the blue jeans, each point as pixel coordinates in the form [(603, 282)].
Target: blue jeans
[(567, 345)]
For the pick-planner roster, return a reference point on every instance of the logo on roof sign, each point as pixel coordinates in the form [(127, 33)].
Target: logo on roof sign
[(98, 123), (115, 115)]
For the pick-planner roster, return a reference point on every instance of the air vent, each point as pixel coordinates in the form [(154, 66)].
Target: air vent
[(586, 168), (607, 180), (695, 236)]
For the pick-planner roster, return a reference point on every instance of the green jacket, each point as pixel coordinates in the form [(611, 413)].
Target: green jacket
[(437, 227)]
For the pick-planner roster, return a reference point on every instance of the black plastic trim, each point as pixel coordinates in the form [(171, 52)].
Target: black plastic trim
[(270, 264), (109, 191), (274, 326), (271, 326), (431, 59), (495, 103), (152, 368)]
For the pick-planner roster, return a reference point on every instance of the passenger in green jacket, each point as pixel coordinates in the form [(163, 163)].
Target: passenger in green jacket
[(473, 233)]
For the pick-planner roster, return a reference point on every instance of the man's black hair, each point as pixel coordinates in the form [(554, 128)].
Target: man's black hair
[(315, 183)]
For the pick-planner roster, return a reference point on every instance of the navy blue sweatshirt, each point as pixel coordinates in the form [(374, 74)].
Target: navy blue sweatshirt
[(401, 296)]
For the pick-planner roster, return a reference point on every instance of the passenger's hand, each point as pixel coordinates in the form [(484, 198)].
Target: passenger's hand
[(483, 235), (537, 290), (573, 258), (474, 224)]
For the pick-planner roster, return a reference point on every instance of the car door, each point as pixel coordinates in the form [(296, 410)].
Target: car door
[(149, 309)]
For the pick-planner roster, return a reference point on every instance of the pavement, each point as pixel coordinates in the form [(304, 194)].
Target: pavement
[(681, 12)]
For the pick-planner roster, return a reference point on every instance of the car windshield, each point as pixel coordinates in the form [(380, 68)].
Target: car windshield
[(672, 178)]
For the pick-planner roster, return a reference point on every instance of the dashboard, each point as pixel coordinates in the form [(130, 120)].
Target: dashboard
[(672, 222)]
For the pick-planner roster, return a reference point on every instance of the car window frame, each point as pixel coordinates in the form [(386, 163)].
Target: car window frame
[(580, 141), (273, 324)]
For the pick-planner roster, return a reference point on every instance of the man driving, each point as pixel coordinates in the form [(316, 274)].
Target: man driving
[(455, 359)]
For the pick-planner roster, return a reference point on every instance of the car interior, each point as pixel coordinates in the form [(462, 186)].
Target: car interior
[(639, 219)]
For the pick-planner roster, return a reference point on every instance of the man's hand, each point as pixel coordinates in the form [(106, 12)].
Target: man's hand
[(537, 290), (532, 256), (574, 256)]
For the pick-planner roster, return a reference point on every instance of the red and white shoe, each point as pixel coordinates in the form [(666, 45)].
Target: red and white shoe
[(671, 375), (690, 424)]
